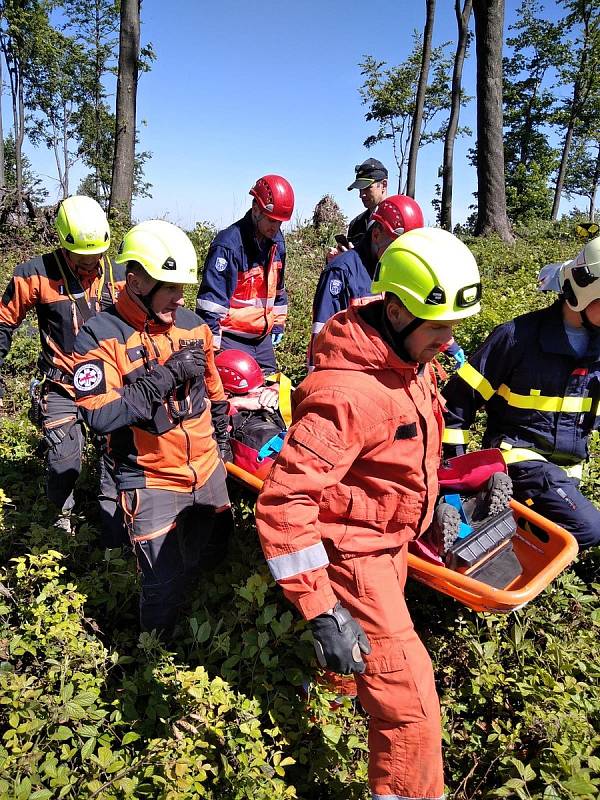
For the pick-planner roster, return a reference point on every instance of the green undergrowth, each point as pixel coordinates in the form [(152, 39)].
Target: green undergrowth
[(89, 708)]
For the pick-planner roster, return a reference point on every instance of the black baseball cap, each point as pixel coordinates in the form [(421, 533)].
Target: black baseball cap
[(367, 173)]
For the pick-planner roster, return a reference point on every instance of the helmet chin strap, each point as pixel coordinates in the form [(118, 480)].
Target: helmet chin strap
[(146, 301), (397, 339)]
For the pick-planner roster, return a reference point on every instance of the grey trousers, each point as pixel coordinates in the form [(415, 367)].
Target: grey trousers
[(65, 437)]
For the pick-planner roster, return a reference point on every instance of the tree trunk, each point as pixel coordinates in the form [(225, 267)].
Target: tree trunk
[(491, 190), (594, 188), (577, 102), (124, 161), (417, 120), (462, 21), (2, 173), (65, 148)]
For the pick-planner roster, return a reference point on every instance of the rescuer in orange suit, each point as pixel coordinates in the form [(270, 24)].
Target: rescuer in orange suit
[(145, 375), (356, 480)]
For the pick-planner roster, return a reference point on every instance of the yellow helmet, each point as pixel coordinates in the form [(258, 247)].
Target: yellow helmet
[(82, 226), (433, 273), (163, 250)]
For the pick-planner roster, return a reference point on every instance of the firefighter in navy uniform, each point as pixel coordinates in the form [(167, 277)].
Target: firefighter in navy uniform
[(66, 287), (370, 178), (145, 375), (538, 377), (346, 279), (242, 297)]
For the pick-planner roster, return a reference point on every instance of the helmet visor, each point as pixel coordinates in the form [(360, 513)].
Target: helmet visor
[(583, 276)]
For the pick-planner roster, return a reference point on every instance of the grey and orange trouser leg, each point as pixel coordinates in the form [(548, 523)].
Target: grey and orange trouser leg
[(64, 438), (175, 534)]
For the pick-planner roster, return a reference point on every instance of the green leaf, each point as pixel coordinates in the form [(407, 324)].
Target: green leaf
[(62, 733), (88, 748), (132, 736), (332, 732), (203, 632), (86, 699), (580, 786)]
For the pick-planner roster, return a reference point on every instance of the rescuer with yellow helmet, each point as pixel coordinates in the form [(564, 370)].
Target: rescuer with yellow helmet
[(145, 376), (66, 287), (356, 480)]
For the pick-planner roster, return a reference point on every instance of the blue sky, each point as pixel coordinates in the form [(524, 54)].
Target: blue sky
[(244, 88)]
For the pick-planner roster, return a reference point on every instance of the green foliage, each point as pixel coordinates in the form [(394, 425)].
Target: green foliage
[(389, 94), (90, 708), (538, 50)]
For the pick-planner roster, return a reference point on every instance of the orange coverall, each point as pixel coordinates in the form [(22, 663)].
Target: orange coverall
[(355, 481)]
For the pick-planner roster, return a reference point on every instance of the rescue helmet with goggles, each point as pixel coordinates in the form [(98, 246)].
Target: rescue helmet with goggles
[(398, 214), (82, 226), (162, 249), (580, 278), (433, 274), (239, 371), (275, 197)]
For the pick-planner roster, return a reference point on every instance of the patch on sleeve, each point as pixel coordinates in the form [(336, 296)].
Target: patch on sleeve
[(89, 377), (221, 264), (408, 431), (335, 286)]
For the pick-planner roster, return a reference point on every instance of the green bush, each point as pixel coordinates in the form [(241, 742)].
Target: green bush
[(90, 708)]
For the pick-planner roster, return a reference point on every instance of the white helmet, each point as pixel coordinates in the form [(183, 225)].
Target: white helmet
[(580, 278)]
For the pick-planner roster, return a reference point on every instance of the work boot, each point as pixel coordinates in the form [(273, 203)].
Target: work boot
[(491, 500), (444, 529)]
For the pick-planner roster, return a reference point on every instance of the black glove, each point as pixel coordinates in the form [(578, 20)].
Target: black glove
[(187, 363), (219, 410), (339, 641), (225, 450)]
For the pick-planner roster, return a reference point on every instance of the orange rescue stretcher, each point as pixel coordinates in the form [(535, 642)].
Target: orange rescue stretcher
[(543, 549)]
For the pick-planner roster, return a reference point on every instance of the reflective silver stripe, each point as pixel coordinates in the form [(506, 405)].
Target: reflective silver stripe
[(254, 302), (208, 305), (317, 327), (292, 564)]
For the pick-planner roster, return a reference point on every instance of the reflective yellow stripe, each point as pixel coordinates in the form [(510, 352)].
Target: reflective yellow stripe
[(570, 405), (476, 381), (514, 455), (456, 436)]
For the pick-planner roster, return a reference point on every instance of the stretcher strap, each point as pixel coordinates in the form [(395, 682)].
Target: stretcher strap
[(285, 396)]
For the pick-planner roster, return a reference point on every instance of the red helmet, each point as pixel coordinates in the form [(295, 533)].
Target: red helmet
[(398, 214), (239, 372), (275, 197)]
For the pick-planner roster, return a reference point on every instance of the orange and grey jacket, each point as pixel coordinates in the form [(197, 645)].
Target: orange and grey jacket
[(156, 441), (358, 470), (243, 284), (47, 284)]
